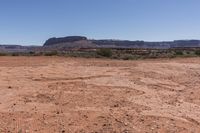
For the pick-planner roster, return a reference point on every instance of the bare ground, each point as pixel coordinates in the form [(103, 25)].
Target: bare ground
[(74, 95)]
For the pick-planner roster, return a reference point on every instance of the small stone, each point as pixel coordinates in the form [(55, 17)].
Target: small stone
[(116, 105), (126, 124), (104, 125)]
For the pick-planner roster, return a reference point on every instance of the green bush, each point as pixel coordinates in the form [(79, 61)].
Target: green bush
[(52, 53), (15, 54), (197, 52), (3, 54), (188, 52), (104, 52), (31, 53), (179, 52)]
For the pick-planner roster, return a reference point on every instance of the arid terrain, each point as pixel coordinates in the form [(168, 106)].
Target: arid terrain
[(76, 95)]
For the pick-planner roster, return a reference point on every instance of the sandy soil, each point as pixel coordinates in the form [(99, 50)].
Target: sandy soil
[(71, 95)]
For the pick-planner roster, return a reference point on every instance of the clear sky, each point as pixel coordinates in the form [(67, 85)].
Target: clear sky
[(31, 22)]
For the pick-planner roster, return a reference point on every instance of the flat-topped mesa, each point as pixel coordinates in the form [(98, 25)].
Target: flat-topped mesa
[(83, 42), (67, 39)]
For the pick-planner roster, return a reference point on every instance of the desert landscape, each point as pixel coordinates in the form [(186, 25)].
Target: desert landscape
[(79, 95)]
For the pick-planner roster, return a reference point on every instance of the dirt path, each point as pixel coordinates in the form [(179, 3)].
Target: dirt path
[(66, 95)]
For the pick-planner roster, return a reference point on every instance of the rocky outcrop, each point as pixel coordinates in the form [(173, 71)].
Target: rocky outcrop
[(143, 44), (13, 48), (69, 39), (83, 42)]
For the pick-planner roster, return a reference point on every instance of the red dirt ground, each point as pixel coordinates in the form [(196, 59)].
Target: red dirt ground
[(75, 95)]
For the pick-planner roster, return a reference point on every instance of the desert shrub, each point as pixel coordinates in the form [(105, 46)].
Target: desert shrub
[(52, 53), (15, 54), (188, 52), (115, 56), (179, 52), (84, 54), (3, 54), (197, 52), (127, 57), (40, 53), (171, 56), (104, 52), (153, 55), (31, 53)]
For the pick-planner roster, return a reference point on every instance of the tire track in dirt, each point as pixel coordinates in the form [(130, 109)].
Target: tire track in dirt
[(100, 96), (154, 91), (45, 79)]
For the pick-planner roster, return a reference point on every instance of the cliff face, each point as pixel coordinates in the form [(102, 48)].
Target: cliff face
[(83, 42), (69, 39), (79, 42)]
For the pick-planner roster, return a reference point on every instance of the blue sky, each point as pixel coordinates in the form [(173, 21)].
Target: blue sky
[(31, 22)]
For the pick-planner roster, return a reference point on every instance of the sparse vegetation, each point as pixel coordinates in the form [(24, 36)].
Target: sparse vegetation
[(128, 57), (51, 53), (3, 54), (32, 53), (16, 54), (179, 52), (104, 52), (197, 52), (84, 54), (123, 54)]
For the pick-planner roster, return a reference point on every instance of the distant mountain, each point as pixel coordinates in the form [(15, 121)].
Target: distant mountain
[(143, 44), (12, 48), (81, 42), (69, 39), (17, 48), (72, 42)]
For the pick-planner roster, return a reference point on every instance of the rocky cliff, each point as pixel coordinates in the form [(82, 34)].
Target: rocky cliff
[(83, 42)]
